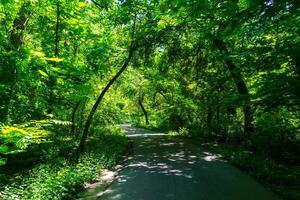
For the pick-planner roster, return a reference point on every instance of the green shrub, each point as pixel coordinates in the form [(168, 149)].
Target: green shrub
[(276, 131), (29, 137), (182, 132)]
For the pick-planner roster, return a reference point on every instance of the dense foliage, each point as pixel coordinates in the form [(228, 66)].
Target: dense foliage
[(223, 70)]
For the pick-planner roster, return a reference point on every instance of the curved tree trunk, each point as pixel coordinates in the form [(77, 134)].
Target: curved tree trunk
[(87, 125), (240, 85), (144, 111)]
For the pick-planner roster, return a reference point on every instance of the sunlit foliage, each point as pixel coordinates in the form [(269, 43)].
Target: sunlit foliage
[(223, 70)]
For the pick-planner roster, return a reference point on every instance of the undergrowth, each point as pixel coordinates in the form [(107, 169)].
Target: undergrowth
[(59, 178)]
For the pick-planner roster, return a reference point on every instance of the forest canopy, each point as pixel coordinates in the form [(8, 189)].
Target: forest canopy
[(227, 70)]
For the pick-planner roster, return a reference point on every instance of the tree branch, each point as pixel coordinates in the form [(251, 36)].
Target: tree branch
[(98, 4)]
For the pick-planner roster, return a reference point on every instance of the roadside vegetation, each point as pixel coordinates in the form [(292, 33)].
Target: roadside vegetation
[(53, 174)]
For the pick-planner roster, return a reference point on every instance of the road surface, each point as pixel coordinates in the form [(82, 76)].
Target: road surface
[(166, 168)]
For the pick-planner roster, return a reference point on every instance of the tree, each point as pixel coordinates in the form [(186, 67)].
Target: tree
[(132, 48)]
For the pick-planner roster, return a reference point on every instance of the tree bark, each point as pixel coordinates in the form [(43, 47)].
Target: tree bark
[(209, 117), (240, 85), (98, 5), (73, 128), (218, 118), (144, 111), (56, 50), (52, 80), (19, 26)]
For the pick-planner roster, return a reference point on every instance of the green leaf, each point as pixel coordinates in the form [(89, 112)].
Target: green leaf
[(54, 59), (43, 73), (3, 149)]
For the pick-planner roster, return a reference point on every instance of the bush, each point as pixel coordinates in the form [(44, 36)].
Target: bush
[(276, 132), (182, 132), (30, 141)]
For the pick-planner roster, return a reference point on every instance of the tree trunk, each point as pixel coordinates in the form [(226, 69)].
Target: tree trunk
[(19, 26), (240, 85), (9, 73), (209, 118), (52, 79), (218, 118), (144, 111), (73, 128), (88, 122)]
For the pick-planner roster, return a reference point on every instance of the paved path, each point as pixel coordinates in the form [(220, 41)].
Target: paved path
[(165, 168)]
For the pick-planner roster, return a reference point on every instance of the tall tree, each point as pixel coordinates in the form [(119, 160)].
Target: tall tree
[(132, 49)]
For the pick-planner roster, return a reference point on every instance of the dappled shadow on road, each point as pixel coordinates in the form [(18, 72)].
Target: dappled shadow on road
[(163, 167), (159, 157), (138, 132), (163, 160)]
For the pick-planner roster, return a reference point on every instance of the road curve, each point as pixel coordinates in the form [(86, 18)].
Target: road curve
[(166, 168)]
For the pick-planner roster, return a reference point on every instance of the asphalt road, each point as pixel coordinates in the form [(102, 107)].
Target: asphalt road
[(166, 168)]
